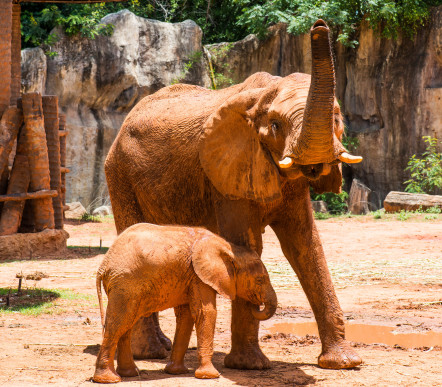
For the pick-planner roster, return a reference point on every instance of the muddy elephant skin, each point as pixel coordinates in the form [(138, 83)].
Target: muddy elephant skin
[(150, 268), (235, 161)]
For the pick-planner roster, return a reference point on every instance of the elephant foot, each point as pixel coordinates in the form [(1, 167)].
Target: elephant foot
[(128, 372), (207, 372), (250, 358), (176, 369), (339, 356), (145, 342), (105, 376)]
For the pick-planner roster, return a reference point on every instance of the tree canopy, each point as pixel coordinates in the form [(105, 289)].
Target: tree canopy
[(230, 20)]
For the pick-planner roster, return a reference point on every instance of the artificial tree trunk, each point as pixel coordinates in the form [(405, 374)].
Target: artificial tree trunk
[(51, 122), (5, 53), (37, 151)]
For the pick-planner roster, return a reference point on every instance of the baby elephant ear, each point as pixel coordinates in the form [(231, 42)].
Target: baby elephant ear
[(232, 156), (212, 262)]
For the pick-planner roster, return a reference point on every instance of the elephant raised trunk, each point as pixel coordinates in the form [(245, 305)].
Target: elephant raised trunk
[(270, 305), (317, 142)]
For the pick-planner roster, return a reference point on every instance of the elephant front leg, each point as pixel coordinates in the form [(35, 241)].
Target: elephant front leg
[(203, 309), (184, 326), (239, 221), (301, 245)]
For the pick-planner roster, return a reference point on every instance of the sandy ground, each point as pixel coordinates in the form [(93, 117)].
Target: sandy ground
[(386, 272)]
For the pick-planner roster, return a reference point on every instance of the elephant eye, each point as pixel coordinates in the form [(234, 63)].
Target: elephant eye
[(275, 127)]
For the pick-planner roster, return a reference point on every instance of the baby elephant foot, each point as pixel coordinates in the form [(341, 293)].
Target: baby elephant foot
[(207, 372), (106, 376), (339, 356), (128, 372), (176, 369), (250, 358)]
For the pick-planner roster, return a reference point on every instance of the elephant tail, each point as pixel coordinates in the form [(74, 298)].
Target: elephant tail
[(100, 299)]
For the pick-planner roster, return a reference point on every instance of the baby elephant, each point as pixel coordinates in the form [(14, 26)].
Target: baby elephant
[(150, 268)]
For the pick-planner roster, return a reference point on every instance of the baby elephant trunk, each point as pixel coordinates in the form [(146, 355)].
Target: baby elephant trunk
[(269, 306)]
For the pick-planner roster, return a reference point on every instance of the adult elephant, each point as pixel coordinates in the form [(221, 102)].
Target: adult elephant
[(234, 161)]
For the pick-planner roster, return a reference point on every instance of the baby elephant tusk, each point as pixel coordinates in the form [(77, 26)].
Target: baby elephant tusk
[(286, 162), (349, 159)]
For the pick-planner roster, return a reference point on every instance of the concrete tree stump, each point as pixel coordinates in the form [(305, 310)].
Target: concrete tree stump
[(37, 151), (5, 53), (9, 126), (12, 211), (397, 201), (63, 133), (358, 198), (15, 54), (50, 112)]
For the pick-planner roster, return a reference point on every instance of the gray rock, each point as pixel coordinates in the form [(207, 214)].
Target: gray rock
[(319, 206), (76, 210), (33, 70), (99, 81), (102, 211)]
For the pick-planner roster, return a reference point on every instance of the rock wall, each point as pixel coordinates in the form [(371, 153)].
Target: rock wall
[(99, 81), (390, 92)]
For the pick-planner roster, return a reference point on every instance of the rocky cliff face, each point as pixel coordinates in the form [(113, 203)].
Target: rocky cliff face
[(390, 91), (99, 81)]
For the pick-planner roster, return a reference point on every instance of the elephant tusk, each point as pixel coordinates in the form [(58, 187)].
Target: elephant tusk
[(286, 162), (349, 159)]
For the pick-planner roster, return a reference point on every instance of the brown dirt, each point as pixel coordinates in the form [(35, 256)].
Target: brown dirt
[(386, 272)]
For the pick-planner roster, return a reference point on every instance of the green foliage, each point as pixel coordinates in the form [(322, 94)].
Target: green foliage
[(194, 58), (378, 214), (231, 20), (349, 142), (336, 203), (433, 210), (343, 16), (221, 78), (431, 217), (425, 172), (90, 218), (321, 215), (36, 301), (404, 215)]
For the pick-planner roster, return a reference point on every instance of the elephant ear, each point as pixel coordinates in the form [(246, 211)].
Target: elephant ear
[(213, 264), (233, 157), (329, 183)]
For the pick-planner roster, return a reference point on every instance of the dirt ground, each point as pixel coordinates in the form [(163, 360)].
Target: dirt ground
[(386, 272)]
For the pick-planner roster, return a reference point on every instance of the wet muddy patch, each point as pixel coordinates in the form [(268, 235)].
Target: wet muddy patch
[(366, 333)]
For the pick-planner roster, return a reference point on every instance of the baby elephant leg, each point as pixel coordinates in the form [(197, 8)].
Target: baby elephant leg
[(184, 326), (203, 308), (118, 321)]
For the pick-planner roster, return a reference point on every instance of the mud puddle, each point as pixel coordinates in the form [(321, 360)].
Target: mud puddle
[(368, 334)]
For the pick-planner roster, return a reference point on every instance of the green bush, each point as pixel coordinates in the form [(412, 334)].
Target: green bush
[(336, 203), (425, 172)]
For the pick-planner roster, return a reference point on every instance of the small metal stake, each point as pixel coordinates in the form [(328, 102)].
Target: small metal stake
[(19, 286)]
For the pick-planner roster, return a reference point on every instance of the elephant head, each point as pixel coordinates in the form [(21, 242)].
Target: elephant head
[(276, 129), (235, 271)]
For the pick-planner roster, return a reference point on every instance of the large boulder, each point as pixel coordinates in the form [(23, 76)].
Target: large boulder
[(75, 210), (99, 81)]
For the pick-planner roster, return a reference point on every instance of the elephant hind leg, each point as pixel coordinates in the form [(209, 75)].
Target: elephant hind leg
[(119, 322), (125, 360)]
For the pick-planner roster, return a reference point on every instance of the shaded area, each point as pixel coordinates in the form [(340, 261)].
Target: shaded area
[(25, 299)]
